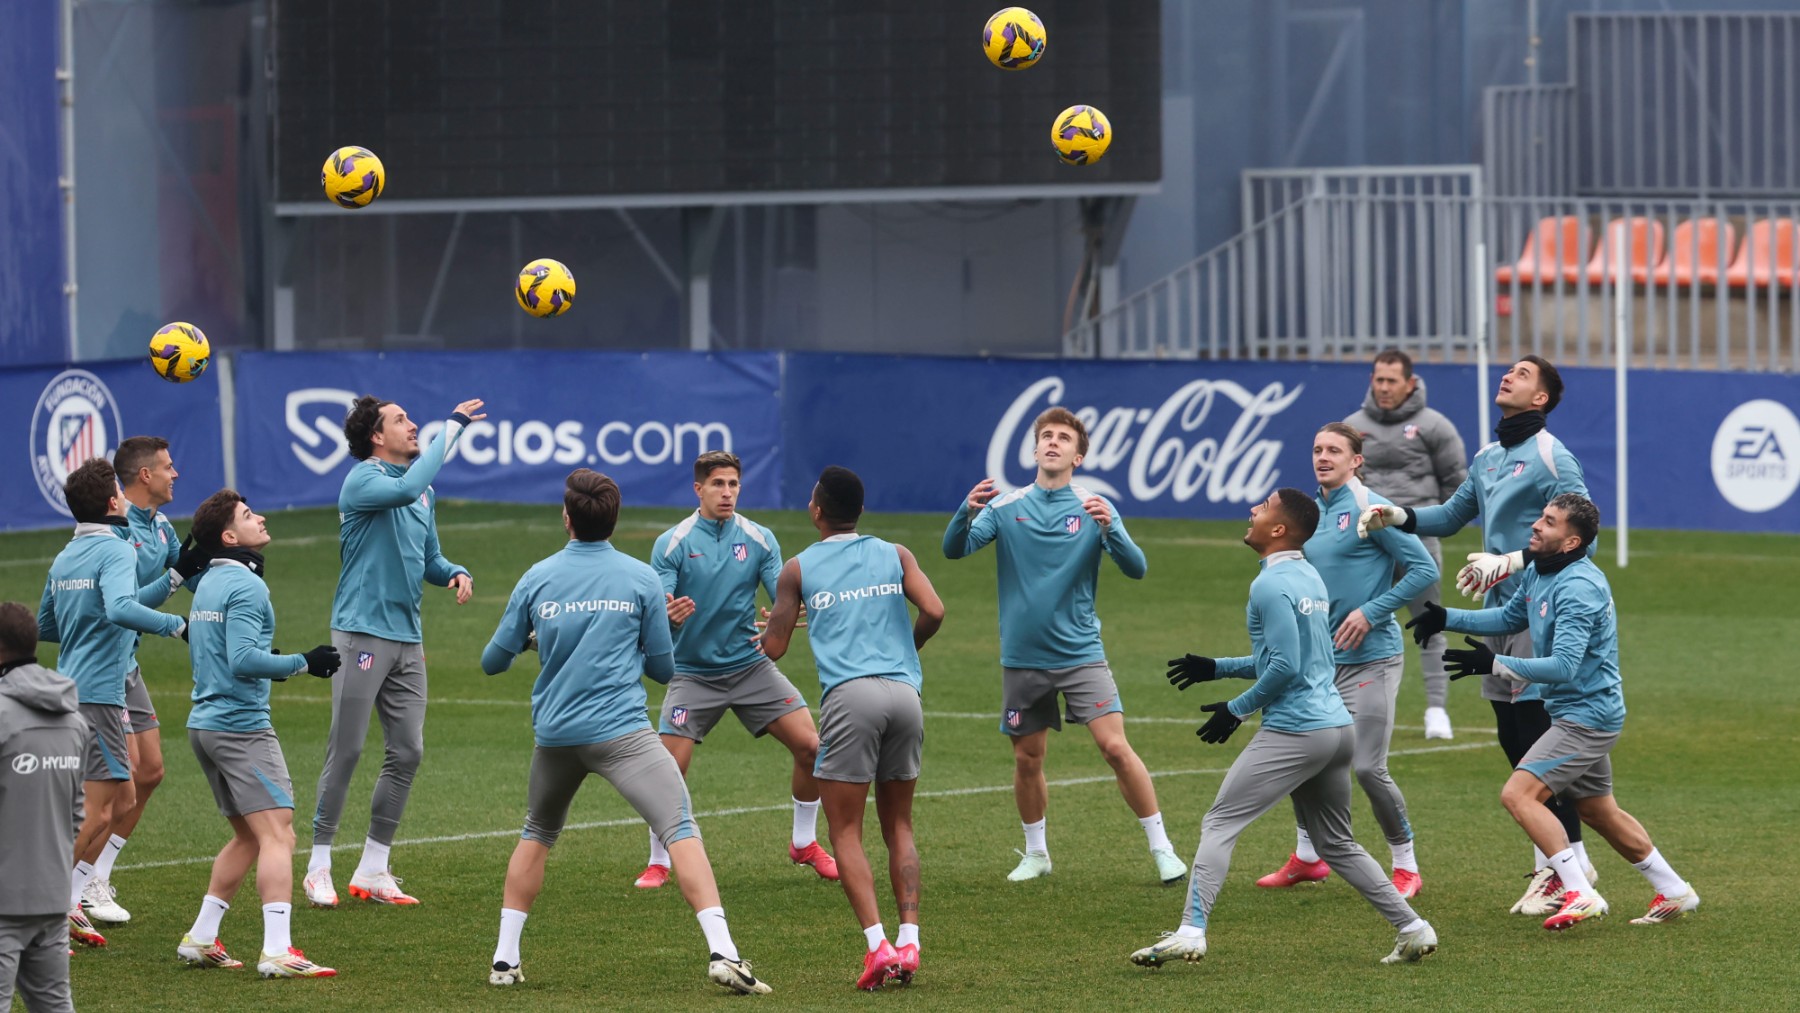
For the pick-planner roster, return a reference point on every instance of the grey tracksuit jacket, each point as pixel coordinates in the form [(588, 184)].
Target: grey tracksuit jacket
[(43, 741), (1412, 454)]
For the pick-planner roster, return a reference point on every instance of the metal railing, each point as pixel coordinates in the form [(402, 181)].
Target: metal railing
[(1264, 192), (1528, 139)]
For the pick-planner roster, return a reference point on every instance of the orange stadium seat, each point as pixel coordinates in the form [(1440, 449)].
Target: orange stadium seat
[(1557, 248), (1767, 255), (1643, 250), (1693, 254)]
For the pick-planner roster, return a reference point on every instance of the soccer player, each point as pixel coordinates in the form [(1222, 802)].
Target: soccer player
[(599, 621), (1510, 480), (387, 525), (1564, 604), (711, 565), (1366, 642), (231, 630), (1303, 748), (147, 477), (1414, 457), (1051, 535), (94, 607), (867, 648), (42, 738)]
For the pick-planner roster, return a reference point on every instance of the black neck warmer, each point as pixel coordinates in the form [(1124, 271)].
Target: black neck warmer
[(249, 557), (1519, 428), (1547, 565)]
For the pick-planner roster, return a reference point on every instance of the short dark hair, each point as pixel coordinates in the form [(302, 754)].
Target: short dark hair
[(212, 517), (137, 452), (18, 632), (1548, 379), (360, 424), (712, 461), (1582, 514), (1301, 511), (1391, 355), (592, 502), (90, 488), (839, 495)]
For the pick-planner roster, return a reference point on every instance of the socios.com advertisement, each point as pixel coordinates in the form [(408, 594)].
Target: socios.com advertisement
[(640, 418)]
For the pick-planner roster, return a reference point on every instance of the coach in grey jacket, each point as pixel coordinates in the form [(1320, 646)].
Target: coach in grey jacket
[(43, 740), (1413, 456)]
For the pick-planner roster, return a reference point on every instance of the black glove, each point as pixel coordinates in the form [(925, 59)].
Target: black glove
[(1219, 727), (192, 560), (182, 633), (322, 661), (1189, 669), (1478, 661), (1428, 623)]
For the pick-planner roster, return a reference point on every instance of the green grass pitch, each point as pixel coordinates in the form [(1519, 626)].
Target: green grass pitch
[(1707, 761)]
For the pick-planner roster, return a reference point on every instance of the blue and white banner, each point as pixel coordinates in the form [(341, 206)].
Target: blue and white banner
[(641, 418), (57, 418)]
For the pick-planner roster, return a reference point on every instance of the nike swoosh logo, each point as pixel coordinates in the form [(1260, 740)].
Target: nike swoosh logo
[(1018, 518), (1101, 704), (1362, 684), (696, 555), (789, 700)]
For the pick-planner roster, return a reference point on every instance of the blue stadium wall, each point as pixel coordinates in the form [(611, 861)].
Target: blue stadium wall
[(33, 316)]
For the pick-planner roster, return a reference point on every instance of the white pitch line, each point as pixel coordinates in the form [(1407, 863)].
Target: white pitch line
[(782, 807)]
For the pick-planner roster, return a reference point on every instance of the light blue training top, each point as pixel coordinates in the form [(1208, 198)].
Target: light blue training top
[(94, 608), (719, 564), (856, 614), (231, 630), (1359, 572), (1292, 660)]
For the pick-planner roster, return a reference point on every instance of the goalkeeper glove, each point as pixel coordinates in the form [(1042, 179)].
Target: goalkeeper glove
[(1385, 515), (1487, 569)]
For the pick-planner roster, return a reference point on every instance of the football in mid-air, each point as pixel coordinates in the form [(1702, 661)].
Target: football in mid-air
[(546, 288), (352, 177), (179, 352), (1013, 38), (1081, 135)]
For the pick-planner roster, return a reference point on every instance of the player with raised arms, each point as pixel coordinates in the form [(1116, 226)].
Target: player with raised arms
[(1050, 538), (388, 544), (231, 635), (1509, 482), (1303, 748), (872, 726), (94, 607), (1564, 604), (711, 565), (599, 622)]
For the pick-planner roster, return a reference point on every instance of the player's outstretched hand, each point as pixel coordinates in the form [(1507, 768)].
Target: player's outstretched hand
[(978, 497), (192, 559), (1478, 660), (472, 409), (680, 609), (1383, 515), (322, 661), (1219, 727), (1486, 569), (799, 623), (464, 586), (1189, 669), (1428, 623)]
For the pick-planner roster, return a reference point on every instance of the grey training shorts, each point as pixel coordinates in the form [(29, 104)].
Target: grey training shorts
[(637, 765), (246, 770), (870, 729), (107, 759), (1028, 696), (138, 705), (1572, 760), (759, 695)]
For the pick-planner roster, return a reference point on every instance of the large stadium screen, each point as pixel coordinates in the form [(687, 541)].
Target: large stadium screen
[(570, 99)]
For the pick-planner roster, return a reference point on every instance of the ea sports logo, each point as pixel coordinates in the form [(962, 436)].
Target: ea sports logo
[(549, 610), (76, 419), (1754, 456), (821, 601), (25, 763)]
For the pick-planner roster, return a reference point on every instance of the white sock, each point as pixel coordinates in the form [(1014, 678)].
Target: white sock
[(275, 928), (1415, 925), (206, 923), (1581, 853), (718, 936), (908, 935), (1154, 832), (374, 859), (512, 923), (1568, 865), (78, 881), (1404, 857), (1661, 876), (108, 855), (1538, 858), (321, 858), (1187, 931), (875, 935), (1303, 848), (1034, 838), (659, 855), (806, 822)]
